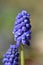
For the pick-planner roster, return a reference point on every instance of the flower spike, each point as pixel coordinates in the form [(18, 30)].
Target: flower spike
[(22, 28)]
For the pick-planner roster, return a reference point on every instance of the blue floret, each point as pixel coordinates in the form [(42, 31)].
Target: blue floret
[(11, 55), (22, 28)]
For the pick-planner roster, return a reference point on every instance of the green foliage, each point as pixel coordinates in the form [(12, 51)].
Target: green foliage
[(7, 18)]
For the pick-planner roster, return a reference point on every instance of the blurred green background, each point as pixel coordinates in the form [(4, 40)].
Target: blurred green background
[(8, 11)]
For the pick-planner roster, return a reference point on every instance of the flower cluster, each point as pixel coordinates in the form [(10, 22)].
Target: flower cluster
[(11, 56), (22, 28)]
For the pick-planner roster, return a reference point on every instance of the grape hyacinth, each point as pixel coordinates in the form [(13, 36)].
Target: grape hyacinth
[(22, 28), (11, 57)]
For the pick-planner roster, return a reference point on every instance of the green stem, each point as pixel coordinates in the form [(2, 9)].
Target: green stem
[(22, 56)]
